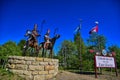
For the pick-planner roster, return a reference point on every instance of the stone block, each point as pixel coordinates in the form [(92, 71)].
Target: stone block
[(16, 57), (47, 60), (36, 68), (39, 59), (35, 72), (28, 77), (43, 72), (12, 57), (30, 58), (49, 67), (39, 77), (11, 66), (21, 67), (18, 62), (19, 57), (51, 71), (19, 72), (28, 62), (10, 61), (25, 77), (34, 63), (27, 73), (55, 60), (49, 76), (43, 63), (50, 63)]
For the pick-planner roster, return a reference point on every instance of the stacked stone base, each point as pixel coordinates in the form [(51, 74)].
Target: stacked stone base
[(33, 68)]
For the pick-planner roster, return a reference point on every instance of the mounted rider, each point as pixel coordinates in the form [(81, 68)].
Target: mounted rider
[(32, 36), (47, 39), (35, 34)]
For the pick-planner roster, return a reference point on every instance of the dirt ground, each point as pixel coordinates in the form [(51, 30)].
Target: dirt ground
[(65, 75)]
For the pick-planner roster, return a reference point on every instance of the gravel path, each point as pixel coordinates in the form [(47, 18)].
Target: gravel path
[(65, 75)]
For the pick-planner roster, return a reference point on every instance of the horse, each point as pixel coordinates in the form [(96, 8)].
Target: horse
[(50, 46), (30, 44)]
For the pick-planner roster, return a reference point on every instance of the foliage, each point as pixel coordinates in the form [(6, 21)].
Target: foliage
[(88, 61), (6, 75), (79, 43), (21, 44), (116, 49), (96, 41), (9, 48), (70, 53), (67, 55)]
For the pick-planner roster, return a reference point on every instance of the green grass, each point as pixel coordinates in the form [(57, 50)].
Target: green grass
[(6, 75)]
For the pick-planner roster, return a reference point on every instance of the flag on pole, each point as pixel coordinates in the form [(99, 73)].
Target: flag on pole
[(94, 29), (77, 29)]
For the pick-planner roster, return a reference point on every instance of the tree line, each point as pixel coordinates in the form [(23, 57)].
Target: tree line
[(76, 54), (72, 54)]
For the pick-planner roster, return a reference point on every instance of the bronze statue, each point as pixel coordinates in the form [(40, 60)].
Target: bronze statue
[(32, 41)]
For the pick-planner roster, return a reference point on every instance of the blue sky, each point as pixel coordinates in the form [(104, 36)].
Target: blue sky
[(16, 16)]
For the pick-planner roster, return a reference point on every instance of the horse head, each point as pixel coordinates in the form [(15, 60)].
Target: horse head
[(57, 36)]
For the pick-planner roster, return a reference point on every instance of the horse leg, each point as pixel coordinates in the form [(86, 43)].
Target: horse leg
[(37, 51), (51, 55), (24, 50), (32, 51), (43, 52)]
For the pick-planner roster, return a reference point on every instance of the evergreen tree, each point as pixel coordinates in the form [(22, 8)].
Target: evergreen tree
[(116, 49), (67, 55), (97, 42), (80, 47)]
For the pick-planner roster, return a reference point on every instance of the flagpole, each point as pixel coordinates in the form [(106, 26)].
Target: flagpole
[(80, 48), (99, 48)]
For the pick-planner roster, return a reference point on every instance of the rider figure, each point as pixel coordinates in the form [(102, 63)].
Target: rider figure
[(28, 33), (35, 33), (47, 39), (32, 37)]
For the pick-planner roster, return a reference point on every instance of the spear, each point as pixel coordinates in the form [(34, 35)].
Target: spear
[(42, 27), (56, 29)]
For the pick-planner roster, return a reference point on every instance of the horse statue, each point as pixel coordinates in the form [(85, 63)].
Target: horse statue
[(31, 45), (50, 46)]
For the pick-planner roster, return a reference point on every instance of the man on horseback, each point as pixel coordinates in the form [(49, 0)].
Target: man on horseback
[(35, 34), (32, 37), (32, 42), (47, 39)]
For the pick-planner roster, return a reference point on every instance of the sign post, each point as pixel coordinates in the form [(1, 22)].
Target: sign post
[(104, 62)]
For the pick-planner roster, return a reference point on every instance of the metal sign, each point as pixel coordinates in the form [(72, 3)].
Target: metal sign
[(104, 52), (102, 61)]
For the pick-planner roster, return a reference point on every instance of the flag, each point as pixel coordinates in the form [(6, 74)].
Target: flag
[(94, 29), (77, 29)]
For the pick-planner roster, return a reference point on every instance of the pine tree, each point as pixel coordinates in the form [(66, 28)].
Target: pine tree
[(80, 47)]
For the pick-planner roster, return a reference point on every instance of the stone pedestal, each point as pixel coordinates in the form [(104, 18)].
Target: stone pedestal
[(33, 68)]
